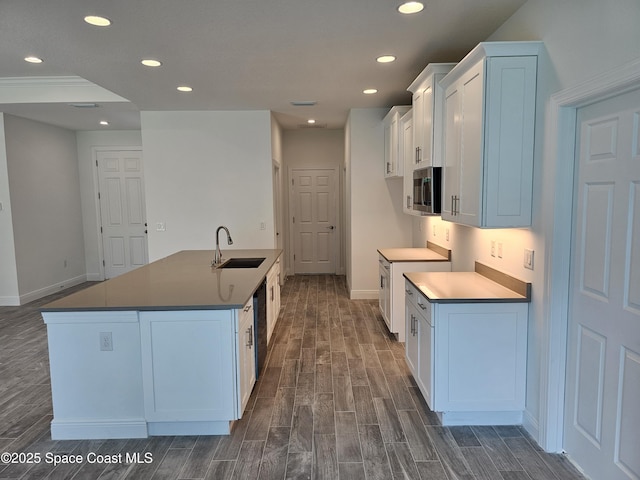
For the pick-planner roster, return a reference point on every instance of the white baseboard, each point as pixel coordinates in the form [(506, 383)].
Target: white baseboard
[(89, 430), (55, 288), (363, 294), (13, 301), (480, 418), (222, 427), (94, 277), (530, 424)]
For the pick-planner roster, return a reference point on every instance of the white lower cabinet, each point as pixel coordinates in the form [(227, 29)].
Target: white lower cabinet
[(273, 298), (392, 290), (468, 359), (246, 355), (197, 371)]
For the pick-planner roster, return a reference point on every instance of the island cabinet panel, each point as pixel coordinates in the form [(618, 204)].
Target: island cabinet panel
[(88, 376), (189, 370)]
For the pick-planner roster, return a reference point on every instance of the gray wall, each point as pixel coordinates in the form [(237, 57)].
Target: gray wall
[(44, 186)]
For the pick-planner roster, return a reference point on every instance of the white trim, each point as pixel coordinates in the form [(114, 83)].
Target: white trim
[(90, 317), (220, 427), (98, 429), (363, 294), (55, 288), (561, 133)]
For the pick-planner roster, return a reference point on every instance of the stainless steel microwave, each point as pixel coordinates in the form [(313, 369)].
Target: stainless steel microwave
[(426, 190)]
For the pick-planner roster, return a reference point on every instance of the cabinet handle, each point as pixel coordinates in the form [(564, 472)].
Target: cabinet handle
[(247, 308), (381, 281), (388, 167), (421, 306), (409, 292), (408, 201), (272, 293), (417, 154), (250, 335)]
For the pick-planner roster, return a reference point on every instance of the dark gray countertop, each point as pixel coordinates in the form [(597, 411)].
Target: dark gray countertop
[(182, 281), (464, 287)]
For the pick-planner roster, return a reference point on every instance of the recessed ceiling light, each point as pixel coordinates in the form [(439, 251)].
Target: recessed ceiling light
[(411, 7), (386, 59), (311, 121), (97, 21), (33, 59), (104, 122), (185, 88), (148, 62), (370, 91)]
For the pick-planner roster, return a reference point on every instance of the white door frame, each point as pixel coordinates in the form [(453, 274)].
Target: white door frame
[(561, 133), (337, 234), (96, 190)]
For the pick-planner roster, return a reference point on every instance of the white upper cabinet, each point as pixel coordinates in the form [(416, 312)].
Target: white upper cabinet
[(406, 126), (427, 115), (489, 119), (393, 156)]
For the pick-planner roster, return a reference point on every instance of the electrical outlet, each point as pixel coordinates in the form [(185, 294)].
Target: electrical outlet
[(493, 248), (446, 234), (434, 230), (528, 259), (499, 249), (106, 342), (263, 226)]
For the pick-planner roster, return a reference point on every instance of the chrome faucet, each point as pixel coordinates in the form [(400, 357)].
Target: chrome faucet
[(217, 258)]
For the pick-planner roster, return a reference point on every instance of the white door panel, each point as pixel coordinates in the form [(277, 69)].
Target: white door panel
[(313, 206), (122, 211), (602, 420)]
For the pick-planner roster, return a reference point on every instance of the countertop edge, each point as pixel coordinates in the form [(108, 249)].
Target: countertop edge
[(432, 299), (413, 260), (263, 269)]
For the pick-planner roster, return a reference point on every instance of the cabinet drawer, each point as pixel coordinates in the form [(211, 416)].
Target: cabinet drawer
[(411, 293)]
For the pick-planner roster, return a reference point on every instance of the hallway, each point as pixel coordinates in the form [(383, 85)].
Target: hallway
[(335, 400)]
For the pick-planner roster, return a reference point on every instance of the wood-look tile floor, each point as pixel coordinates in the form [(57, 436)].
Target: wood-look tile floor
[(335, 401)]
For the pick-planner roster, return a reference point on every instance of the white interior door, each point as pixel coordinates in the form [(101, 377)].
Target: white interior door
[(313, 220), (122, 211), (602, 419)]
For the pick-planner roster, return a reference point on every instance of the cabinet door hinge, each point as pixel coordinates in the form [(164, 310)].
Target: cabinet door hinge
[(103, 263), (98, 195), (294, 219)]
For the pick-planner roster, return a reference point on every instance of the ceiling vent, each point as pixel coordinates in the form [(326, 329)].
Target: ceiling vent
[(84, 105), (303, 103)]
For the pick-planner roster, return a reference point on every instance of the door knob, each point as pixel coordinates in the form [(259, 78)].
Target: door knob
[(331, 227)]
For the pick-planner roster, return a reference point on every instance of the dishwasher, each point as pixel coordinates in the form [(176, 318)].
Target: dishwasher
[(260, 325)]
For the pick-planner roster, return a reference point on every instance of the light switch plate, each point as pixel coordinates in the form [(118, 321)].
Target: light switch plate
[(528, 258)]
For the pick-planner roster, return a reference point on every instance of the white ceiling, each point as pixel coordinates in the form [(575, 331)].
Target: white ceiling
[(236, 54)]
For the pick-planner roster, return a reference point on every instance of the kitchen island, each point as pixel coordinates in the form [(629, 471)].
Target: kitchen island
[(167, 349)]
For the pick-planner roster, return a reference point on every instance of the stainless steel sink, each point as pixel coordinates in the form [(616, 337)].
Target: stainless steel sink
[(242, 263)]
